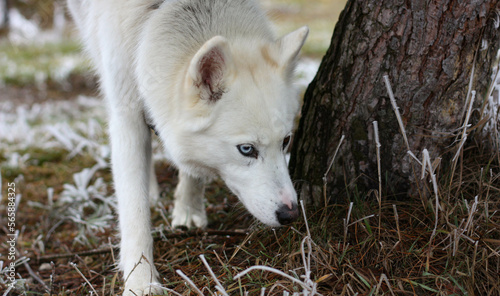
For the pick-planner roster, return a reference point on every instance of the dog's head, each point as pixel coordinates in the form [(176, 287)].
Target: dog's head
[(245, 104), (240, 109)]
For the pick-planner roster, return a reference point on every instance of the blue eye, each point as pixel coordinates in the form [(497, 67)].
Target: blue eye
[(247, 150)]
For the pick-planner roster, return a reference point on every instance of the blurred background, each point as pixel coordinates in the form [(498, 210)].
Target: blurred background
[(48, 91), (47, 87), (39, 50)]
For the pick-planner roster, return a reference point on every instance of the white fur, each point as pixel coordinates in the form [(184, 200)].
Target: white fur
[(210, 75)]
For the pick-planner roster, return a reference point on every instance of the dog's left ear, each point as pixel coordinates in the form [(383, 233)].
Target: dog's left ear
[(209, 68), (288, 48)]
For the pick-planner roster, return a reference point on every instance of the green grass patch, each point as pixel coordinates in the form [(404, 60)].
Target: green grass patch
[(22, 65)]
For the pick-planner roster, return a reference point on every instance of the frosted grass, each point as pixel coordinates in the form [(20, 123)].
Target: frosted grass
[(72, 125)]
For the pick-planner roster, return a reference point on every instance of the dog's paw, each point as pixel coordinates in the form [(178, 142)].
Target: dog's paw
[(188, 217), (143, 291), (141, 280), (141, 286)]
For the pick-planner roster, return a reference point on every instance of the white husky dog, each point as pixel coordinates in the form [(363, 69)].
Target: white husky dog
[(216, 84)]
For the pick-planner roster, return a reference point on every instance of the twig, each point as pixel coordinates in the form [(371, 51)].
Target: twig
[(35, 276), (400, 121), (81, 274), (379, 195), (189, 281), (305, 217), (329, 167), (396, 110), (218, 285), (166, 289), (463, 138), (472, 210), (396, 217), (51, 257), (52, 277), (384, 278), (346, 222), (103, 285), (31, 272), (486, 212), (10, 287), (262, 291), (464, 127), (427, 161), (199, 232), (306, 262), (112, 250), (359, 220), (266, 268), (238, 248)]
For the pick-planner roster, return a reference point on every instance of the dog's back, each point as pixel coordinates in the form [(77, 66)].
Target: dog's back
[(179, 26), (192, 23)]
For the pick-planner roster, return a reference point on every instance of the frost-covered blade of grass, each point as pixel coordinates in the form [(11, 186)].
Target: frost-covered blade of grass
[(71, 125)]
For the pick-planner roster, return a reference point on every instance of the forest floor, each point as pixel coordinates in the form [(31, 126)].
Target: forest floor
[(54, 155)]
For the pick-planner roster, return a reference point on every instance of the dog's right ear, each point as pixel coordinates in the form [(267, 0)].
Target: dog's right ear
[(285, 50), (209, 68)]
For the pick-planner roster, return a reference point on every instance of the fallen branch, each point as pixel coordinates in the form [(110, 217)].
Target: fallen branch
[(100, 251)]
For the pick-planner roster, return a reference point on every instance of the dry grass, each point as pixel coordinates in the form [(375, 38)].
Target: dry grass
[(367, 245)]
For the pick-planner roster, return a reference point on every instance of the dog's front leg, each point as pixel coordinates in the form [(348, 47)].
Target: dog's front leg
[(189, 208), (131, 161)]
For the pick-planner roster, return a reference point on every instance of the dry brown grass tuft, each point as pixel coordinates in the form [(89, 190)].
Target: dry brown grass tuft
[(361, 246)]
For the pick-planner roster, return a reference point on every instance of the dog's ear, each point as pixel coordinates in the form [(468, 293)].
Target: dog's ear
[(209, 68), (288, 48)]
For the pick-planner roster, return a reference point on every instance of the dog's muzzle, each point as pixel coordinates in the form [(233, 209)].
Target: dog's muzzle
[(286, 215)]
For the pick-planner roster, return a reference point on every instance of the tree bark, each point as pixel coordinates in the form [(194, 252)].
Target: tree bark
[(4, 26), (427, 48)]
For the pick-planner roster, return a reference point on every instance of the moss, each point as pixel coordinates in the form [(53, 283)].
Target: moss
[(40, 156)]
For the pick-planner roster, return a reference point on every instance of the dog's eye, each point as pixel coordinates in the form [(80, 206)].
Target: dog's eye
[(248, 150), (286, 141)]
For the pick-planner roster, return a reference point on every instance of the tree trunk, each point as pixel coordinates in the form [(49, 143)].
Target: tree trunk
[(4, 25), (427, 48)]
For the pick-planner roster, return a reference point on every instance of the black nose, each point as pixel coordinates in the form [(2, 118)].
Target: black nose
[(286, 215)]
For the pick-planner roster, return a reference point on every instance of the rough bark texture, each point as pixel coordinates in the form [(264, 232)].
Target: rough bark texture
[(427, 49), (4, 25)]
